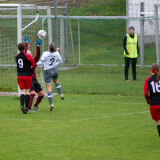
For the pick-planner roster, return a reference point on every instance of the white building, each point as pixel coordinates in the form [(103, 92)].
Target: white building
[(133, 9)]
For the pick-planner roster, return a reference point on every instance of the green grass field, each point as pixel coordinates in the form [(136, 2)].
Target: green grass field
[(82, 127), (102, 117)]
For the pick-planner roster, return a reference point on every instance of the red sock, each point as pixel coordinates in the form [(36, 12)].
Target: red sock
[(31, 100), (38, 100)]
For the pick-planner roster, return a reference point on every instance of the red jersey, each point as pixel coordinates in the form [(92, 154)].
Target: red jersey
[(152, 91), (24, 64), (36, 58)]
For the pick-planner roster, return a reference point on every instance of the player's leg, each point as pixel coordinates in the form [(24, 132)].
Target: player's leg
[(40, 92), (155, 113), (58, 88), (134, 62), (158, 126), (22, 96), (32, 95), (48, 74), (27, 98), (57, 84), (28, 82), (49, 91), (126, 68)]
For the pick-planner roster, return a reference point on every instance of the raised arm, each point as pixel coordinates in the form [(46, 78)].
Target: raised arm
[(41, 60), (38, 43), (26, 43)]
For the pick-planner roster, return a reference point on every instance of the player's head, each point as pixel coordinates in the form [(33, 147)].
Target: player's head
[(52, 47), (21, 47), (131, 30), (154, 68), (29, 52)]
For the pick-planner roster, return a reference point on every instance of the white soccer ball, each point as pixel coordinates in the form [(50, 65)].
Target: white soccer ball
[(42, 34)]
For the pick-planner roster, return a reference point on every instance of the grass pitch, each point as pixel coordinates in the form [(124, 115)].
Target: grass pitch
[(82, 127)]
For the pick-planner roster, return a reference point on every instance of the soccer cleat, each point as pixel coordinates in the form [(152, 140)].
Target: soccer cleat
[(36, 108), (29, 110), (127, 80), (23, 110), (62, 97), (51, 107)]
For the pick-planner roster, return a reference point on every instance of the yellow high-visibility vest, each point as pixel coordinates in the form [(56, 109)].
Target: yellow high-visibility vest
[(131, 45)]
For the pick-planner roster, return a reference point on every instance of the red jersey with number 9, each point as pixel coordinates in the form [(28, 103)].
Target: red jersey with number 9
[(24, 63), (153, 88)]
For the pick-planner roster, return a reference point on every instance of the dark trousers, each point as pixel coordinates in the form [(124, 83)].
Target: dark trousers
[(127, 65)]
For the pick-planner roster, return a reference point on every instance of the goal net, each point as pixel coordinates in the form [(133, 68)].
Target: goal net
[(16, 21)]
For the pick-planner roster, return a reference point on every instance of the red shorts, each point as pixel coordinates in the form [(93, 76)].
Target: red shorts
[(24, 82), (155, 112)]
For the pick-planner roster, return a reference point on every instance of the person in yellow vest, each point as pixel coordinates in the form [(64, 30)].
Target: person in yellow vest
[(131, 52)]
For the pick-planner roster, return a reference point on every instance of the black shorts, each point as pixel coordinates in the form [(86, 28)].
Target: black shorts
[(35, 86)]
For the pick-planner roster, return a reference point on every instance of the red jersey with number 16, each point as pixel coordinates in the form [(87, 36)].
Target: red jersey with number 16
[(24, 63), (154, 89)]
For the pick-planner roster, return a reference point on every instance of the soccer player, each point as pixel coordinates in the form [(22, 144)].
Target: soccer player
[(131, 52), (24, 72), (51, 59), (152, 94), (35, 86)]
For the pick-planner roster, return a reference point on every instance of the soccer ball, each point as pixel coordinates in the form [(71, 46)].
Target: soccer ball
[(42, 34)]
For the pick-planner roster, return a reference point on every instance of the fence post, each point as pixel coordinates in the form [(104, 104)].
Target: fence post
[(55, 23), (65, 33), (19, 31), (62, 41), (79, 43), (142, 36), (156, 32), (49, 25)]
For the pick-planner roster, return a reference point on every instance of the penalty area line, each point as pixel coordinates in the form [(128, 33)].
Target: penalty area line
[(110, 116), (76, 120)]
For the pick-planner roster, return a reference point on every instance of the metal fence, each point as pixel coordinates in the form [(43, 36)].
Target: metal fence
[(92, 52)]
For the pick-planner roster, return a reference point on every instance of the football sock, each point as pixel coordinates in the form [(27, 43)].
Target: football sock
[(27, 98), (38, 100), (58, 87), (22, 97), (31, 100), (158, 127), (50, 98)]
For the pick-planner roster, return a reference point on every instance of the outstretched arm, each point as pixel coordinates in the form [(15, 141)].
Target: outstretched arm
[(26, 43), (38, 43)]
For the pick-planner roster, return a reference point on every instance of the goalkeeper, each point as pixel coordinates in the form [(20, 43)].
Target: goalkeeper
[(35, 86)]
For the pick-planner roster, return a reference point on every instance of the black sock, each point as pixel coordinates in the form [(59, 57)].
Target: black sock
[(27, 99), (158, 127), (22, 98)]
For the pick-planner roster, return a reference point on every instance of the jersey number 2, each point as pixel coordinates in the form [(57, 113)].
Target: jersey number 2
[(52, 61), (155, 86), (20, 63)]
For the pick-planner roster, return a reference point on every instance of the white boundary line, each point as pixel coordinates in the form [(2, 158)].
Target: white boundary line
[(118, 115), (79, 120)]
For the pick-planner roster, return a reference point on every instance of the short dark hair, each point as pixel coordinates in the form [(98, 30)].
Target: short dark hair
[(52, 47), (131, 27), (21, 47)]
